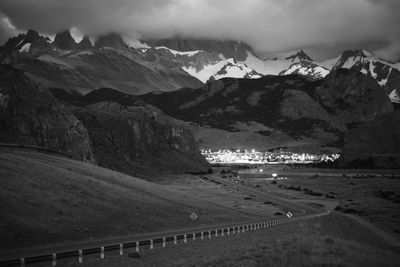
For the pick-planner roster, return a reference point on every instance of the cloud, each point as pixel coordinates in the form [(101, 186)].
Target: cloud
[(7, 30), (267, 25)]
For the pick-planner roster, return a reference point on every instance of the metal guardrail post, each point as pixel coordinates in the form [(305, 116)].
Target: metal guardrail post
[(209, 234), (151, 244), (80, 257), (194, 236), (22, 261), (175, 240), (164, 242), (121, 249), (102, 253), (184, 238), (137, 246), (202, 235), (54, 260)]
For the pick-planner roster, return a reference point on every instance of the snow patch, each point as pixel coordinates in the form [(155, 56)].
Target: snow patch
[(394, 96), (134, 43), (222, 69), (265, 67), (175, 53), (25, 48)]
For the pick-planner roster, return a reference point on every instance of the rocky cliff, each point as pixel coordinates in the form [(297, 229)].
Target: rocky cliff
[(29, 116), (63, 40), (133, 137)]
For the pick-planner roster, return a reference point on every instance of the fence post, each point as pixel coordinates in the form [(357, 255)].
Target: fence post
[(228, 230), (164, 242), (233, 230), (222, 232), (184, 238), (22, 260), (137, 246), (202, 235), (194, 236), (54, 262), (209, 234), (151, 244), (121, 249), (80, 259), (175, 240), (243, 229), (102, 253)]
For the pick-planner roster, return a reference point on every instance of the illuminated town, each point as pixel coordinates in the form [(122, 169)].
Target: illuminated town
[(226, 156)]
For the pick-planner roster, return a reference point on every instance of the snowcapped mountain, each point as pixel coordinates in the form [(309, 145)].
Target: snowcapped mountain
[(222, 69), (385, 73), (205, 59), (170, 64), (306, 68)]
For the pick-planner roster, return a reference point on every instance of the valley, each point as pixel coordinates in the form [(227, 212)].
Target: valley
[(158, 147)]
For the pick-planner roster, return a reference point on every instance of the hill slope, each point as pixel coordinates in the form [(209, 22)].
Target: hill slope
[(49, 199)]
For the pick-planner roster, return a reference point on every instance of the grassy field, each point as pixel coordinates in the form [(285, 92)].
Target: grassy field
[(370, 194), (50, 199), (332, 240)]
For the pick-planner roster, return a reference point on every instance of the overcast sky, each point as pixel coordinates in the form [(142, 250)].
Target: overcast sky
[(322, 27)]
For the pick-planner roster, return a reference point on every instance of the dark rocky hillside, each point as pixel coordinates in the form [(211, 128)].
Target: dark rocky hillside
[(353, 97), (29, 116), (118, 131), (130, 136), (375, 144), (322, 110)]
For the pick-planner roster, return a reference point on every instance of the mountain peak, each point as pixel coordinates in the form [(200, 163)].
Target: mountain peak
[(110, 40), (65, 41), (363, 53), (300, 55), (228, 48), (85, 44)]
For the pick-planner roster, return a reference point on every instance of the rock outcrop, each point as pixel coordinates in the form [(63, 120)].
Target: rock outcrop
[(17, 43), (85, 43), (64, 40), (113, 40), (32, 117), (135, 139)]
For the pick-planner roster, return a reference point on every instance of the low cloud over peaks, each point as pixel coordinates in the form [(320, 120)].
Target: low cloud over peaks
[(269, 26)]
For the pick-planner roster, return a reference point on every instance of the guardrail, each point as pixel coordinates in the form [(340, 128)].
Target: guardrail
[(80, 252)]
